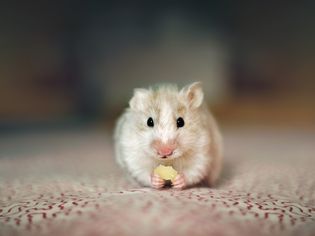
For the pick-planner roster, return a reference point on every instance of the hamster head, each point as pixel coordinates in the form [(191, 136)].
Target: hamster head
[(168, 121)]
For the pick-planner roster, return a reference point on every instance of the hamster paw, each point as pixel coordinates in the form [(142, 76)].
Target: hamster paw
[(156, 181), (179, 182)]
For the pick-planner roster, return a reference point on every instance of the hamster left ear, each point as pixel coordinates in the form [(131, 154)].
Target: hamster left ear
[(193, 94)]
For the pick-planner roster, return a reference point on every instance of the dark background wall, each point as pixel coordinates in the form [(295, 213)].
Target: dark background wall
[(67, 61)]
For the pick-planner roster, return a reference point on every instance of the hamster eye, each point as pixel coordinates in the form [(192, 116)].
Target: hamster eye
[(150, 122), (180, 122)]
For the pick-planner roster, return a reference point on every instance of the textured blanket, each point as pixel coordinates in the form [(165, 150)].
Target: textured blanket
[(68, 184)]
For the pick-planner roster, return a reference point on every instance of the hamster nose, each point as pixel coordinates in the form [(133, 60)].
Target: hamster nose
[(165, 150)]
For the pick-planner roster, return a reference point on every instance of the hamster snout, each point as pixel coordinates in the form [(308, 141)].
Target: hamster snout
[(163, 149)]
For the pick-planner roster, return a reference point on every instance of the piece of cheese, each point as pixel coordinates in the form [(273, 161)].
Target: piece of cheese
[(166, 172)]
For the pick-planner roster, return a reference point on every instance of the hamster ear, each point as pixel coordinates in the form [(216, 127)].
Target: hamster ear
[(193, 94), (139, 99)]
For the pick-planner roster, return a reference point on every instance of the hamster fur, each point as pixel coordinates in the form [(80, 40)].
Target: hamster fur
[(194, 150)]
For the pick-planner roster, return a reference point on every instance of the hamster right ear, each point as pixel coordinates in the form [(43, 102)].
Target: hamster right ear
[(193, 94), (139, 99)]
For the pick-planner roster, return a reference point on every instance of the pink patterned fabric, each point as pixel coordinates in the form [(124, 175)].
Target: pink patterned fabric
[(69, 184)]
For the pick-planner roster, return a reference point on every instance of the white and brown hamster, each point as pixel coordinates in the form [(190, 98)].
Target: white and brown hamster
[(164, 125)]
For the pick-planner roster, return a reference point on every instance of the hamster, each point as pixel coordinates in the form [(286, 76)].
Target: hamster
[(164, 125)]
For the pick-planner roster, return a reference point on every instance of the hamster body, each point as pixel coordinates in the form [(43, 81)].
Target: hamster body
[(168, 126)]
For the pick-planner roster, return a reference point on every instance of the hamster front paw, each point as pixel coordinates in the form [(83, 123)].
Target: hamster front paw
[(156, 181), (179, 182)]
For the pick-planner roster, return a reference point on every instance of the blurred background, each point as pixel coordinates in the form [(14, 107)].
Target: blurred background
[(69, 63)]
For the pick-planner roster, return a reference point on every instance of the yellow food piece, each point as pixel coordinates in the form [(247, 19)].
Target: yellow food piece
[(166, 172)]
